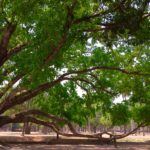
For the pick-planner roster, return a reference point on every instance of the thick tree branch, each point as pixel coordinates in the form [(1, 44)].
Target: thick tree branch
[(120, 8), (131, 132), (66, 28), (88, 18), (50, 116), (7, 35), (16, 49), (10, 84), (124, 71), (12, 52), (26, 96), (19, 99), (32, 116), (5, 41)]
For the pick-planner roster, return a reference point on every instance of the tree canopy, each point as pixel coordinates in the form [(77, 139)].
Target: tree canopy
[(52, 49)]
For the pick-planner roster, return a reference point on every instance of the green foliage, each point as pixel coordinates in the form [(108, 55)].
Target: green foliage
[(120, 114), (140, 113), (106, 120), (89, 33)]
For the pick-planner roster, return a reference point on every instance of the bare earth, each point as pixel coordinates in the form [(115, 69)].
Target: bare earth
[(125, 146), (48, 142)]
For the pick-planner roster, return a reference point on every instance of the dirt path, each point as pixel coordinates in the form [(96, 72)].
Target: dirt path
[(125, 146), (36, 141)]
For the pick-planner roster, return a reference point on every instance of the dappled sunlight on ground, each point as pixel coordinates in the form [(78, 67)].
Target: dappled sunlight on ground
[(37, 141)]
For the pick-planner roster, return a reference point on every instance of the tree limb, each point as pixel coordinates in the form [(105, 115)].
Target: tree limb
[(138, 73), (16, 49), (29, 116), (5, 41), (10, 84), (26, 96), (66, 28)]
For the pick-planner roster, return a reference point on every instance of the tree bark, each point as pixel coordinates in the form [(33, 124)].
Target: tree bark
[(27, 128)]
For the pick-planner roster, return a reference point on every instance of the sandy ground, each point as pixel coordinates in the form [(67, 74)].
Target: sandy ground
[(125, 146), (35, 142)]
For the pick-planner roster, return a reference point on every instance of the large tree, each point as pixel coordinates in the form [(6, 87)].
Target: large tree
[(51, 48)]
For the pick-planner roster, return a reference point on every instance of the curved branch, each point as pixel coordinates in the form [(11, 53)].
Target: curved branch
[(88, 18), (29, 116), (26, 96), (138, 73), (16, 49), (83, 88), (49, 116), (131, 132), (92, 85)]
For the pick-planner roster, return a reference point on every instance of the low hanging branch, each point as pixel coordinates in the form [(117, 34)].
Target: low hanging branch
[(131, 132), (31, 116)]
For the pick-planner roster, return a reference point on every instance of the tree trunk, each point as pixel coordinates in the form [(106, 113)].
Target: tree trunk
[(125, 129), (57, 136), (14, 127), (143, 131), (27, 128)]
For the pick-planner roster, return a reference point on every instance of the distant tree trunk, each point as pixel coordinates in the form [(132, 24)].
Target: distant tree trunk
[(125, 129), (143, 131), (38, 128), (14, 126), (89, 127), (94, 128), (26, 128), (23, 129), (57, 136)]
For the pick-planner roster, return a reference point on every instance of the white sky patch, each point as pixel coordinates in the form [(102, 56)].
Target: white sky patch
[(80, 92), (118, 99), (17, 83), (98, 44), (5, 82), (89, 40)]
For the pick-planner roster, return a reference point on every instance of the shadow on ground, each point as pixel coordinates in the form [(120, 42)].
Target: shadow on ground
[(121, 146)]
